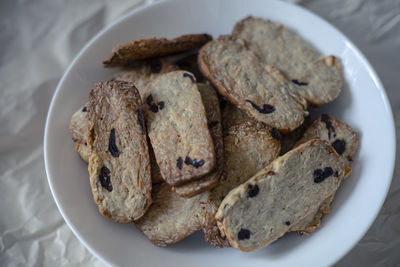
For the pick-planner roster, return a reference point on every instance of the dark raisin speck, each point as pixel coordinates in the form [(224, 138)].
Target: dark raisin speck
[(112, 145), (267, 108), (287, 223), (275, 134), (188, 161), (161, 105), (270, 172), (154, 108), (194, 162), (339, 145), (141, 120), (84, 109), (179, 163), (200, 163), (299, 82), (321, 175), (243, 234), (149, 99), (155, 66), (326, 119), (105, 179), (189, 76), (252, 190)]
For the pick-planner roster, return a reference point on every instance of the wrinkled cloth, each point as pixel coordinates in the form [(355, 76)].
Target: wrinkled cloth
[(40, 38)]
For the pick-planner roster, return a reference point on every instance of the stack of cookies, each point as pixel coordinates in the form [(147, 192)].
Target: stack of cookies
[(195, 133)]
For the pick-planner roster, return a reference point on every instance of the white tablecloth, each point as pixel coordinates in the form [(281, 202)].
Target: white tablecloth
[(39, 39)]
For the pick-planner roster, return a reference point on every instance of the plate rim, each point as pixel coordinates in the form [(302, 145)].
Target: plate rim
[(133, 12)]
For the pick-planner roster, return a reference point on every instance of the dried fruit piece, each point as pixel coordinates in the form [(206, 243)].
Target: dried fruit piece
[(112, 145), (105, 179)]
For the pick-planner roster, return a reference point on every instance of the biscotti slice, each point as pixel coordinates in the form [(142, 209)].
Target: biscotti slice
[(258, 89), (341, 136), (145, 71), (213, 114), (154, 47), (319, 78), (177, 128), (259, 211), (119, 165), (248, 147), (171, 218), (78, 126)]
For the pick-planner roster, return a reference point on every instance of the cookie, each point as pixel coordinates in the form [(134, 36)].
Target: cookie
[(145, 71), (259, 211), (171, 218), (319, 78), (83, 152), (248, 147), (78, 125), (258, 89), (177, 128), (213, 114), (154, 47), (119, 165), (340, 135)]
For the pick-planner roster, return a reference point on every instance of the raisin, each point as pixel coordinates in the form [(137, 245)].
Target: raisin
[(84, 109), (299, 83), (154, 108), (105, 179), (155, 65), (212, 124), (243, 234), (267, 108), (112, 145), (321, 175), (325, 118), (194, 162), (252, 191), (270, 172), (339, 145), (275, 134), (179, 163), (189, 76), (149, 99), (161, 105), (287, 223), (141, 120)]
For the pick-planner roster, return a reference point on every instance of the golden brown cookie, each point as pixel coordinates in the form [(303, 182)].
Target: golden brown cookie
[(119, 165), (154, 47)]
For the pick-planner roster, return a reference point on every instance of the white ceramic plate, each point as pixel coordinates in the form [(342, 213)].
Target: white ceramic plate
[(363, 104)]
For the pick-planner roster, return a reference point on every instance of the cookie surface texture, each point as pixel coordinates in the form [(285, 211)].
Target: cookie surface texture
[(171, 218)]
